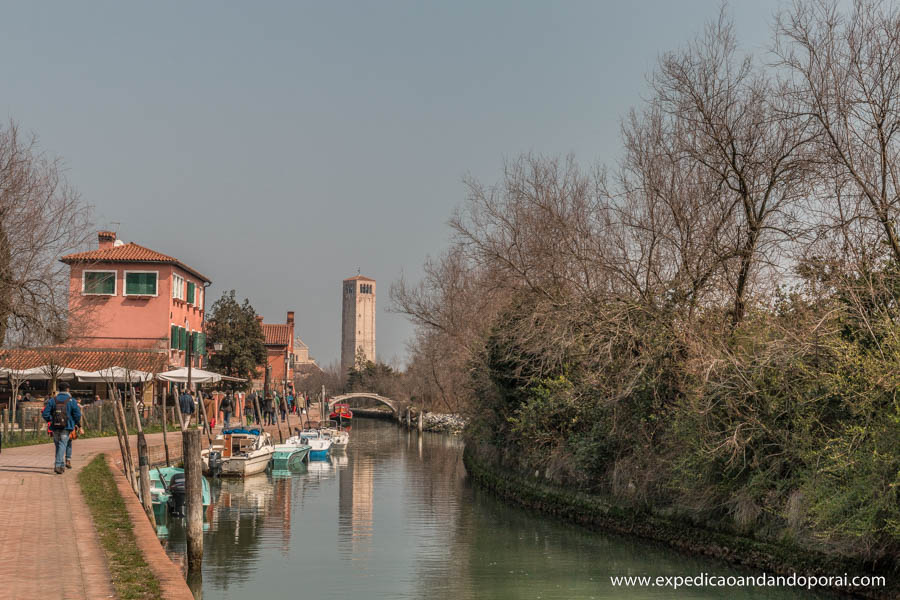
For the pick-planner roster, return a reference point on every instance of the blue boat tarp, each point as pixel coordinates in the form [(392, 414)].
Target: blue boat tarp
[(253, 431)]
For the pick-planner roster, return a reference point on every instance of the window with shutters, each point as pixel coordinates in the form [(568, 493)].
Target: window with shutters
[(141, 283), (98, 283), (174, 342), (178, 287), (190, 292)]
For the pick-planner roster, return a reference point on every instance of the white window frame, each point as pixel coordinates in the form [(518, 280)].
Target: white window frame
[(125, 284), (115, 281), (177, 287)]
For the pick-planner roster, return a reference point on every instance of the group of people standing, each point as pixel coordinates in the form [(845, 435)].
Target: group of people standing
[(259, 408)]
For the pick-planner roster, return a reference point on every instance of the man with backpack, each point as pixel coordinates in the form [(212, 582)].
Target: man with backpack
[(63, 415)]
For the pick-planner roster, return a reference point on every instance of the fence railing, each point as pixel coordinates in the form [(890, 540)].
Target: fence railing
[(26, 426)]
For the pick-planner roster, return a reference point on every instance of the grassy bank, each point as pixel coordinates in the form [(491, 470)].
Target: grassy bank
[(600, 514), (131, 576)]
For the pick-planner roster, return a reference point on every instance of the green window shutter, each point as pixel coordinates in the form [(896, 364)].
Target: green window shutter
[(182, 338), (100, 282), (190, 293), (174, 343), (140, 284)]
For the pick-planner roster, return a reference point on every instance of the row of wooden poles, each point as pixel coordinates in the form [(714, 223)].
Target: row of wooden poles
[(191, 443), (406, 415)]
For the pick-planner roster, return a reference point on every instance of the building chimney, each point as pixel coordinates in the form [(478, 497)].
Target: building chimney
[(106, 239), (259, 319), (290, 317)]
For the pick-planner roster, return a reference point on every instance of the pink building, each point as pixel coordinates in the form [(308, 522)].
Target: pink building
[(128, 296)]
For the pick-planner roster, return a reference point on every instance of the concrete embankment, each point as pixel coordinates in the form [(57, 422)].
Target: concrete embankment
[(598, 513)]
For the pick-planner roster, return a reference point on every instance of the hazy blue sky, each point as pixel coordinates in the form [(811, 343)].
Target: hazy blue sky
[(276, 147)]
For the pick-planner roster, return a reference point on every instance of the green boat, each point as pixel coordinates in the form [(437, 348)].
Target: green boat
[(289, 457), (167, 494)]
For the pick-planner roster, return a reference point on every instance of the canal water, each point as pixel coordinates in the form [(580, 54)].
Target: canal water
[(394, 517)]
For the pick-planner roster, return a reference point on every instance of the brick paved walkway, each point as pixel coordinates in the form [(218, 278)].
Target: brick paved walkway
[(48, 546)]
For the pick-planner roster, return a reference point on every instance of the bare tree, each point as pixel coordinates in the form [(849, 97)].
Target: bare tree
[(844, 74), (41, 218), (731, 126)]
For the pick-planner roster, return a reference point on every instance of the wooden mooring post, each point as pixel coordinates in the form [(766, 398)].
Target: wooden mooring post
[(143, 463), (193, 480), (421, 421)]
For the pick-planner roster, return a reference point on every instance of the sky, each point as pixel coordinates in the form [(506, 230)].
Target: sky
[(277, 147)]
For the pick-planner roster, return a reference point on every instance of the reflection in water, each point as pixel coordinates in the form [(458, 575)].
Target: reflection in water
[(395, 517)]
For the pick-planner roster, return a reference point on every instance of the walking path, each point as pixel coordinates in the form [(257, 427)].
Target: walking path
[(49, 546)]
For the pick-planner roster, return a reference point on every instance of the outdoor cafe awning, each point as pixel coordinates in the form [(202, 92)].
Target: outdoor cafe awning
[(114, 375), (43, 373), (197, 376)]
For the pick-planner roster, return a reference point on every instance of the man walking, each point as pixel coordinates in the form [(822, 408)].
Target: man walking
[(186, 402), (227, 407), (63, 415)]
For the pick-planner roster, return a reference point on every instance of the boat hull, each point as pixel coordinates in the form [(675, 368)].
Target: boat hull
[(318, 454), (288, 457), (243, 466)]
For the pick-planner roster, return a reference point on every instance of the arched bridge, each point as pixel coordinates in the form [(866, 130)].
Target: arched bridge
[(343, 398)]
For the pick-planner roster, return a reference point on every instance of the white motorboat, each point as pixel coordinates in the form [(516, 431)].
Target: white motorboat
[(340, 439), (238, 453), (318, 443)]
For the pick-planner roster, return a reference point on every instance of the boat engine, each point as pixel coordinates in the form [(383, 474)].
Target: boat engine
[(215, 463), (177, 495)]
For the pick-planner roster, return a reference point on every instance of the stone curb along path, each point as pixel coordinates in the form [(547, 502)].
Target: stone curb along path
[(169, 574)]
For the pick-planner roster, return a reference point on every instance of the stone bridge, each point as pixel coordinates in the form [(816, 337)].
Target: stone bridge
[(346, 398)]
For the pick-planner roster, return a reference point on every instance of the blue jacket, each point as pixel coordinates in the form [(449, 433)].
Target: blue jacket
[(187, 404), (73, 412)]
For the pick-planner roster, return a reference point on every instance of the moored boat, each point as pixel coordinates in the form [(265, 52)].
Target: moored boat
[(238, 453), (167, 493), (339, 438), (319, 445), (289, 457), (340, 413)]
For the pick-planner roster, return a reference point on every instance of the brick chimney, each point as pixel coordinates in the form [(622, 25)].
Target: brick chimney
[(106, 239), (290, 317), (259, 319)]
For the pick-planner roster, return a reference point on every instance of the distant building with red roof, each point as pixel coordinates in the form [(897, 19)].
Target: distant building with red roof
[(279, 352), (127, 296)]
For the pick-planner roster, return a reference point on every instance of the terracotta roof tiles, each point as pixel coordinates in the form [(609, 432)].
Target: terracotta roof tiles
[(277, 334), (83, 359), (129, 253)]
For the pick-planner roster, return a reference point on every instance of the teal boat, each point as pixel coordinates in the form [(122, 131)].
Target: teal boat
[(167, 493), (289, 457)]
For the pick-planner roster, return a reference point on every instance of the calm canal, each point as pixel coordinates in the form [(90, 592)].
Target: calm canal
[(394, 517)]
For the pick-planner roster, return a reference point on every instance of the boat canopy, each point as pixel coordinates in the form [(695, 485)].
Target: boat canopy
[(253, 431)]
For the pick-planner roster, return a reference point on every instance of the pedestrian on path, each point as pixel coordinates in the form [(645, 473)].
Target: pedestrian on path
[(186, 401), (227, 407), (63, 415), (72, 435), (250, 408)]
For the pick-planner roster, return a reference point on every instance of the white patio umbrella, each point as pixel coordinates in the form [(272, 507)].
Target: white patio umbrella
[(197, 376), (114, 375)]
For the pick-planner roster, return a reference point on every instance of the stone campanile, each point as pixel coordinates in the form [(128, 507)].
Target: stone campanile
[(357, 320)]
